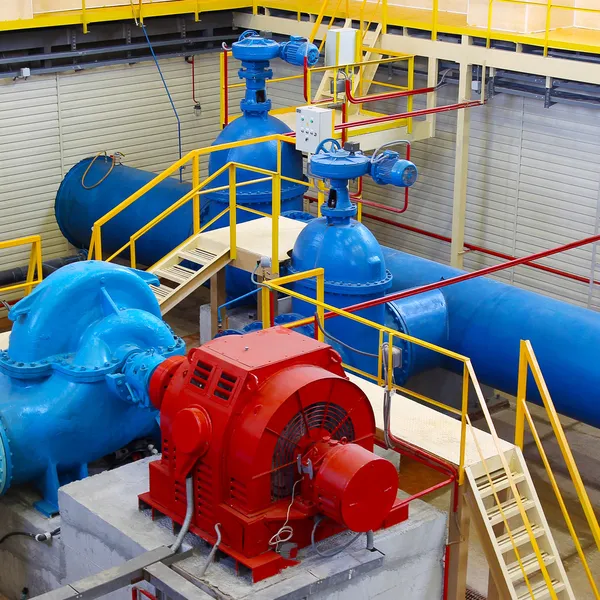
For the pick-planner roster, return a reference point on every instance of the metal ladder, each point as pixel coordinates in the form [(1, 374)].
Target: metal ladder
[(185, 269), (493, 504)]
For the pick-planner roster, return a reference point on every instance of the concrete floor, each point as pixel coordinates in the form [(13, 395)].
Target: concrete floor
[(585, 445)]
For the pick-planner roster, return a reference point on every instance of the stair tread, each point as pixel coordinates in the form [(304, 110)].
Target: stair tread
[(540, 590), (530, 564), (176, 273), (197, 255), (499, 480), (520, 537), (510, 508), (161, 291)]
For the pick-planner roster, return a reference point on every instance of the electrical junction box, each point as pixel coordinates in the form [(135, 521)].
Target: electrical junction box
[(313, 125), (340, 46)]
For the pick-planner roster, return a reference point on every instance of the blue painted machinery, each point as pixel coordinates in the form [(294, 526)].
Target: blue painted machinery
[(73, 382), (78, 207)]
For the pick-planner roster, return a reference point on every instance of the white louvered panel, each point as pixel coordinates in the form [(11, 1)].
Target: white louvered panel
[(126, 108), (31, 166)]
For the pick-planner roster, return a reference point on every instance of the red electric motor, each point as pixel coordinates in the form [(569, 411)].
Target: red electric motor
[(268, 424)]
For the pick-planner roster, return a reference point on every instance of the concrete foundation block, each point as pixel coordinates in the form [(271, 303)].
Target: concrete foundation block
[(102, 527)]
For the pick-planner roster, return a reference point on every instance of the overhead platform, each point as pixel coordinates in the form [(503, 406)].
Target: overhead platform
[(254, 240)]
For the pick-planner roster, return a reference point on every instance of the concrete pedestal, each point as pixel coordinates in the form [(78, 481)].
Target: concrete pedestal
[(102, 527)]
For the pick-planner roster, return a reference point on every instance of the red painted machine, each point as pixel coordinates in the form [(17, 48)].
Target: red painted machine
[(267, 423)]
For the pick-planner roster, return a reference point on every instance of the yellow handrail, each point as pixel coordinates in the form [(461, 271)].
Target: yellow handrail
[(527, 362), (34, 269), (277, 285)]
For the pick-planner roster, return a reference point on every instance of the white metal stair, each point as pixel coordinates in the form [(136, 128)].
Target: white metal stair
[(184, 270), (498, 543)]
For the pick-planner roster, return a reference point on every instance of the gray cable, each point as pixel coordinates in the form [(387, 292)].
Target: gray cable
[(335, 551), (189, 511), (338, 341), (212, 552)]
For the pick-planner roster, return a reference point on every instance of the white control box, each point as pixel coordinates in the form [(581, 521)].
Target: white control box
[(340, 46), (313, 125)]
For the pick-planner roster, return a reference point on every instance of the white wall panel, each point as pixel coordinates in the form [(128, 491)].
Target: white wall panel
[(49, 123)]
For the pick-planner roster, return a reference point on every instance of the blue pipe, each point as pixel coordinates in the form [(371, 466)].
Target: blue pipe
[(486, 319), (74, 379)]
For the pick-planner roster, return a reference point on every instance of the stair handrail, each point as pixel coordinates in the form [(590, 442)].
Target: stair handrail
[(513, 487), (95, 247), (528, 362), (34, 268)]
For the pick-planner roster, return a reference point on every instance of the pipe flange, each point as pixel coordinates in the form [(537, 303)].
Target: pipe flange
[(5, 461)]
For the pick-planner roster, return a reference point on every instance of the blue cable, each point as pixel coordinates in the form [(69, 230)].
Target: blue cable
[(232, 301), (170, 98)]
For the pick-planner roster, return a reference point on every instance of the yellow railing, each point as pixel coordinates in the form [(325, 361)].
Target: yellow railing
[(385, 378), (34, 270), (549, 6), (528, 362), (385, 333), (350, 71), (200, 188)]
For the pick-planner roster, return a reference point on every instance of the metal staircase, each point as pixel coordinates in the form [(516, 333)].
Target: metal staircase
[(515, 535), (368, 72), (185, 269)]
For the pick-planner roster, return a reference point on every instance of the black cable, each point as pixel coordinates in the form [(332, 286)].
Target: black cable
[(335, 551), (38, 537), (337, 341)]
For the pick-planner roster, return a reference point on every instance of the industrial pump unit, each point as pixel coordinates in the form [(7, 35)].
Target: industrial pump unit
[(277, 443)]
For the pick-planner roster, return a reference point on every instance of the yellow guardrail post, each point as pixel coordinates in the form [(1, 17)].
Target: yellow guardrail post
[(464, 413), (84, 16), (196, 199), (547, 32), (434, 24), (97, 243), (521, 396), (384, 17), (321, 299), (265, 305), (132, 254), (232, 212), (488, 41)]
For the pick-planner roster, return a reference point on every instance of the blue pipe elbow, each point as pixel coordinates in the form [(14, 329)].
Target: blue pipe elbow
[(74, 380)]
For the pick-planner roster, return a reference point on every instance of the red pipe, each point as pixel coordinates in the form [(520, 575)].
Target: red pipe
[(136, 592), (390, 95), (444, 238), (467, 245), (466, 276), (405, 115)]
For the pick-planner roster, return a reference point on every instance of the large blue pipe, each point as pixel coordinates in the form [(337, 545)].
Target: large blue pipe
[(485, 320)]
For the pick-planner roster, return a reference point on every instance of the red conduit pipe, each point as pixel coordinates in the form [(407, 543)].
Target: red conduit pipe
[(389, 96), (136, 592), (466, 276), (405, 115), (444, 238), (467, 245)]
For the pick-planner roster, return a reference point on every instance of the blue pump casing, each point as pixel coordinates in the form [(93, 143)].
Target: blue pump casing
[(73, 381)]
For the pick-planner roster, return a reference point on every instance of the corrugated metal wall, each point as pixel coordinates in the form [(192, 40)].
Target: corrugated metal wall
[(49, 123), (533, 183)]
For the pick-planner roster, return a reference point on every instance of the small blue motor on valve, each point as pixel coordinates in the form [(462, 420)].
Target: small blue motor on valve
[(389, 168), (298, 48)]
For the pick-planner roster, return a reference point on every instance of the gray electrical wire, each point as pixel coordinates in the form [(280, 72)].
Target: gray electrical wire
[(189, 511), (212, 553), (335, 551), (338, 341)]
